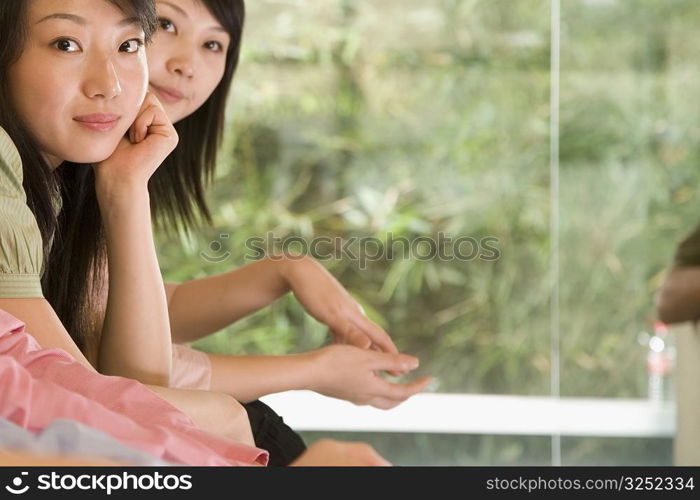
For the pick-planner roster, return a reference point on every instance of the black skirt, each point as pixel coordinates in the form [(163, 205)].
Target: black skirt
[(272, 434)]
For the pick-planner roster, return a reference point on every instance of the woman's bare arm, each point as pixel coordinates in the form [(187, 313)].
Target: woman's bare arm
[(44, 325), (339, 371), (203, 306), (135, 339), (200, 307)]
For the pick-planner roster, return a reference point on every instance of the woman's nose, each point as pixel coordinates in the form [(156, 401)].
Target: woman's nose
[(181, 65), (102, 81)]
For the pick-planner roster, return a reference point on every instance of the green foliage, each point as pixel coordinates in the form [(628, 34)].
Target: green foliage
[(356, 118)]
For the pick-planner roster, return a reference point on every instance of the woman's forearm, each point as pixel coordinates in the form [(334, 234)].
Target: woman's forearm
[(203, 306), (339, 371), (136, 340), (44, 325), (248, 378)]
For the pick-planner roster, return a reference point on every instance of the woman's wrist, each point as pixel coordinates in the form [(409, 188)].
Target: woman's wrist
[(306, 370), (291, 266), (315, 368), (115, 196)]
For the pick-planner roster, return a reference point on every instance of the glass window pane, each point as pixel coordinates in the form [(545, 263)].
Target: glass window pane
[(628, 180)]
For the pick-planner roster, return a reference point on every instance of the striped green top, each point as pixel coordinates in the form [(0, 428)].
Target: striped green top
[(21, 252)]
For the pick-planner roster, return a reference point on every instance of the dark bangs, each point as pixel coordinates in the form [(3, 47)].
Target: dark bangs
[(144, 12)]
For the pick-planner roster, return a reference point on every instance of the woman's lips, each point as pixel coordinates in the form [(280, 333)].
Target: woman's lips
[(168, 94), (101, 122)]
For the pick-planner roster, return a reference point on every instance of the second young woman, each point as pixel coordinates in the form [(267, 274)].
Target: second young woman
[(192, 61)]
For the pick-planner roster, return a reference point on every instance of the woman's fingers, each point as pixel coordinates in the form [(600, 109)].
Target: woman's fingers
[(393, 373), (151, 119), (355, 336), (387, 394), (383, 403), (143, 121), (401, 363), (362, 332), (376, 334), (401, 392), (354, 374), (147, 103), (390, 395)]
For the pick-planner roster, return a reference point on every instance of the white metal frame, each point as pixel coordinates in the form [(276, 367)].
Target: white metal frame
[(482, 414)]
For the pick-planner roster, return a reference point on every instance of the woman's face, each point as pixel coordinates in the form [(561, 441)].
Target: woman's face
[(187, 58), (81, 78)]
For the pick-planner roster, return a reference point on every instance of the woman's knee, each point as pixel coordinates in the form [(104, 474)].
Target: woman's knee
[(214, 412), (230, 419)]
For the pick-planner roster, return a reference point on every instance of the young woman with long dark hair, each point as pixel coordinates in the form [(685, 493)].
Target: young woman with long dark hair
[(74, 82)]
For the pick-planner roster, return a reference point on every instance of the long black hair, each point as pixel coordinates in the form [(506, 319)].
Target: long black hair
[(73, 240), (178, 186), (73, 237)]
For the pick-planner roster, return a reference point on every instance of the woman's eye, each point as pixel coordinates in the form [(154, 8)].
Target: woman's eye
[(213, 46), (66, 45), (166, 24), (131, 46)]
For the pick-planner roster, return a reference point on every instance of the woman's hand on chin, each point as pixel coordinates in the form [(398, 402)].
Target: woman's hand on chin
[(150, 140)]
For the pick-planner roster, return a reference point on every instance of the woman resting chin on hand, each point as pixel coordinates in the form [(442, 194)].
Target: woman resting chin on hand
[(74, 188)]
